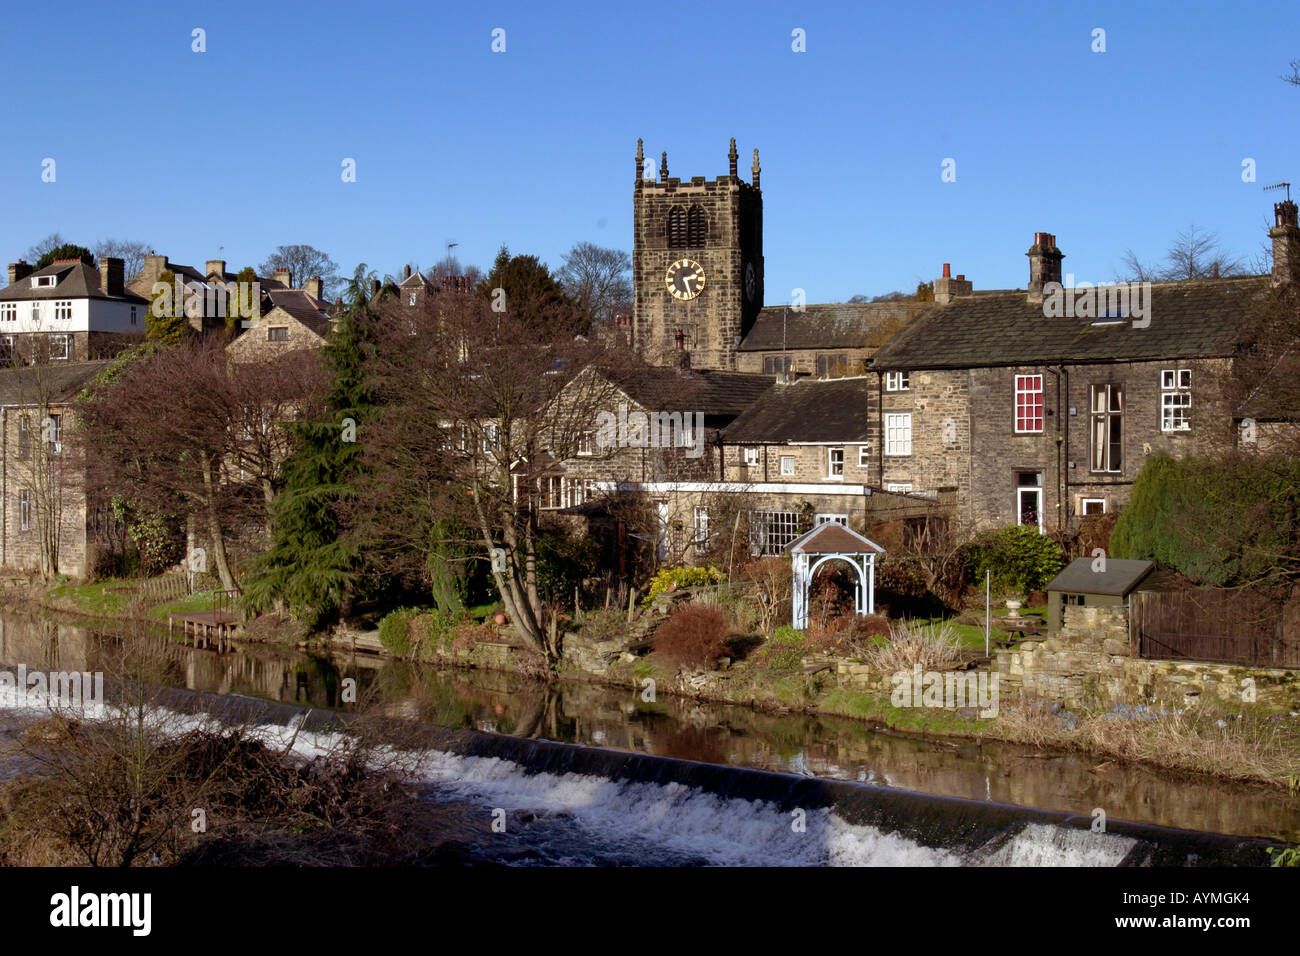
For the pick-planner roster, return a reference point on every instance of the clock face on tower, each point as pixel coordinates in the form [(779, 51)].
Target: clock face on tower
[(751, 282), (685, 279)]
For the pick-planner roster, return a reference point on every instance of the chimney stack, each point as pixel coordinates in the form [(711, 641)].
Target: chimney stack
[(110, 275), (406, 272), (313, 286), (215, 267), (946, 288), (1286, 244), (19, 270), (1044, 264), (285, 277)]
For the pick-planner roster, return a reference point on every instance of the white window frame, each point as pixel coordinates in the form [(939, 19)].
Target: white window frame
[(24, 510), (898, 434), (832, 464), (787, 459), (7, 346), (1107, 391), (44, 282), (1025, 387), (864, 456), (898, 381), (586, 444), (750, 456), (8, 311), (62, 310), (66, 341), (899, 487), (1175, 400), (1084, 502)]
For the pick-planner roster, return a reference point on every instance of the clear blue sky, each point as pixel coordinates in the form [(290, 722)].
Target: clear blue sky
[(240, 147)]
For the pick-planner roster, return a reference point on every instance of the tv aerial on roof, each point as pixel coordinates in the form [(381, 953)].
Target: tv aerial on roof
[(1281, 185)]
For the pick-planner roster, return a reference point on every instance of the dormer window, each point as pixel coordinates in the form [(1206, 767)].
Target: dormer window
[(44, 282)]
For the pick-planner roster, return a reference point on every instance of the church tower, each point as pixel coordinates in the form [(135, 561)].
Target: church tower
[(697, 264)]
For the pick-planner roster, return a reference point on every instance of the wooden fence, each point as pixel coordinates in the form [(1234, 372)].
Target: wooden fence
[(1229, 627)]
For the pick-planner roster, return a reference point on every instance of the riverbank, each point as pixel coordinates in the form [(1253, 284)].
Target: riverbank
[(1244, 744), (1254, 745)]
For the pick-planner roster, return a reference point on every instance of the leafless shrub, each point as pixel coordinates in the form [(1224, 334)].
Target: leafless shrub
[(935, 647)]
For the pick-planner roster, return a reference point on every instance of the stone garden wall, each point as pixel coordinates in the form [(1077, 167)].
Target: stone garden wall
[(1088, 662)]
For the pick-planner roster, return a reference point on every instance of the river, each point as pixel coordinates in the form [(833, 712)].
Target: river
[(598, 716)]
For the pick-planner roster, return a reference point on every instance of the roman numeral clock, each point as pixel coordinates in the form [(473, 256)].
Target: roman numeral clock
[(685, 279)]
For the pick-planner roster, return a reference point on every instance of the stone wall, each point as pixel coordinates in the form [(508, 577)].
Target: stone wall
[(1087, 662), (811, 464)]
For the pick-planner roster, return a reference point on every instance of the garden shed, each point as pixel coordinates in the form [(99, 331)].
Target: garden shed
[(1094, 582)]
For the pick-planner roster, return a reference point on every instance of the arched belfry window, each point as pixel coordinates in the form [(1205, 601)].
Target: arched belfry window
[(697, 227), (677, 227)]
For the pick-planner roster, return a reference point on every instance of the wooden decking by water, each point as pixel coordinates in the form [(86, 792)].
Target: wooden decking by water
[(216, 622)]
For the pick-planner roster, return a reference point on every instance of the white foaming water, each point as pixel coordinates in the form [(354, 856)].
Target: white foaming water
[(665, 822), (1040, 844), (680, 819)]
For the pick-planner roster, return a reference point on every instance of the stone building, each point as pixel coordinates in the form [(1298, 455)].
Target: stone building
[(697, 262), (1040, 406), (68, 312), (45, 524), (825, 341)]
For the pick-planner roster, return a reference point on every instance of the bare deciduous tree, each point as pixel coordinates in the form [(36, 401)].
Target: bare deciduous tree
[(304, 262), (1194, 254), (131, 253), (598, 280)]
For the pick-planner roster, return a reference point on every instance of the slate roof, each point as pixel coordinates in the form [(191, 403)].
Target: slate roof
[(1199, 319), (840, 326), (833, 409), (832, 537), (29, 385), (305, 308), (1120, 577), (76, 280), (690, 390)]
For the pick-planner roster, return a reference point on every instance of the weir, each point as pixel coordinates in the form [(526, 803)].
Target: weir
[(700, 800)]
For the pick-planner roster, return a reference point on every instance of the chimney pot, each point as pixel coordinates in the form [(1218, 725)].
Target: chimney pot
[(1044, 264), (1286, 244)]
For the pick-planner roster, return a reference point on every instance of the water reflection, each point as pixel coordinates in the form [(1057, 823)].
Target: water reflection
[(716, 733)]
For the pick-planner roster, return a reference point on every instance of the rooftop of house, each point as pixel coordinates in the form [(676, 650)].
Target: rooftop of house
[(807, 410), (836, 326), (52, 383), (73, 279), (307, 309), (1204, 318), (719, 394)]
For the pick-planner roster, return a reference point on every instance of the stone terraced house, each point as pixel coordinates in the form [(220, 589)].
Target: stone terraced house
[(1039, 418), (45, 523)]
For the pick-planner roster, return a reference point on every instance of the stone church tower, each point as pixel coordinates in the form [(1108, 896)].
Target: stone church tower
[(697, 264)]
